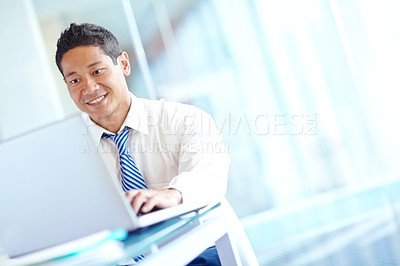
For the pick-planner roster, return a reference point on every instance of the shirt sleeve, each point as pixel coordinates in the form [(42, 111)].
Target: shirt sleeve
[(203, 161)]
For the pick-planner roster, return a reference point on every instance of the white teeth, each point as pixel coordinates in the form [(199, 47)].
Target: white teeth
[(97, 100)]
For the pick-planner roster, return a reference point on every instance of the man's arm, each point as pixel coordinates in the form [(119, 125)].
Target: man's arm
[(203, 161), (202, 167)]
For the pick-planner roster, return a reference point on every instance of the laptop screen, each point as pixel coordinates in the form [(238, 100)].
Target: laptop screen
[(56, 187)]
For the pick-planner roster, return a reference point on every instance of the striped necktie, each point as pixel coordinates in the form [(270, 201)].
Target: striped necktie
[(130, 175)]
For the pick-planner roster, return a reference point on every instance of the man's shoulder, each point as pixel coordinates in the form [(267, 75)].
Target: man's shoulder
[(165, 107), (174, 116)]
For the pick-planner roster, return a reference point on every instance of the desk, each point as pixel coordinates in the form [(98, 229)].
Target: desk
[(180, 240), (176, 241)]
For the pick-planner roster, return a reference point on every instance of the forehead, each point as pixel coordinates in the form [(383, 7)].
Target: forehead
[(81, 57)]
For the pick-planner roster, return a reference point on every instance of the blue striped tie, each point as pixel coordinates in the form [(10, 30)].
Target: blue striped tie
[(130, 175)]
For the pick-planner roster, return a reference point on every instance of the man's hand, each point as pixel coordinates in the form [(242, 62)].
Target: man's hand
[(144, 200)]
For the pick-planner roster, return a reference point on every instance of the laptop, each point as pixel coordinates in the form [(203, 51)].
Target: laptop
[(56, 187)]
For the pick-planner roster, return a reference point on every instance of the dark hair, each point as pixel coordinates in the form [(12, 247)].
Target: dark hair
[(84, 35)]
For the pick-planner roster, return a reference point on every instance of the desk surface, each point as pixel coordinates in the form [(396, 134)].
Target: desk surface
[(178, 241), (152, 237)]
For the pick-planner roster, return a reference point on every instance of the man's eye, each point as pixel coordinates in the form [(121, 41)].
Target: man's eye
[(98, 71), (74, 81)]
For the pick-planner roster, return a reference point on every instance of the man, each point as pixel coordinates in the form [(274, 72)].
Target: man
[(164, 153)]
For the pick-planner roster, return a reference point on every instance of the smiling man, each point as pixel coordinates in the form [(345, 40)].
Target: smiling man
[(97, 85), (164, 153)]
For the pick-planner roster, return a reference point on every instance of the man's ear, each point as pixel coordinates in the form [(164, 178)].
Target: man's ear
[(123, 61)]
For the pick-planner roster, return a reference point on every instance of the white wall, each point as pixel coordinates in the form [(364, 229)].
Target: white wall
[(28, 95)]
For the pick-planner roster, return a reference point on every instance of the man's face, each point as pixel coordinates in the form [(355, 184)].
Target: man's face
[(95, 84)]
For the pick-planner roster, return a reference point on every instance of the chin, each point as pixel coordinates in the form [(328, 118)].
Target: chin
[(100, 116)]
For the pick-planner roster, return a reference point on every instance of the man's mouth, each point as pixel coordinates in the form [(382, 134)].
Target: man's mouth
[(98, 99)]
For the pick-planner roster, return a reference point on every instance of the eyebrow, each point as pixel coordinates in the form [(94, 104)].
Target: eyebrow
[(88, 66)]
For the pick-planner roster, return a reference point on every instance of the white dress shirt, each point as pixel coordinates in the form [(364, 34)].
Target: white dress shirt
[(174, 146)]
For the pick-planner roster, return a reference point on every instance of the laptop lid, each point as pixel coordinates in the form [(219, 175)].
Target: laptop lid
[(56, 187)]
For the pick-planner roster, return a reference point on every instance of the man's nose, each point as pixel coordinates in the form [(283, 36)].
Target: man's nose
[(90, 86)]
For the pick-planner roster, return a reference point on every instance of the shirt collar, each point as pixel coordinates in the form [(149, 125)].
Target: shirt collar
[(136, 119)]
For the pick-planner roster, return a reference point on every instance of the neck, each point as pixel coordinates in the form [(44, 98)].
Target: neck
[(114, 122)]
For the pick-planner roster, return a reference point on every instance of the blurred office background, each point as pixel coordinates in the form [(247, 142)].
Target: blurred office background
[(304, 92)]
